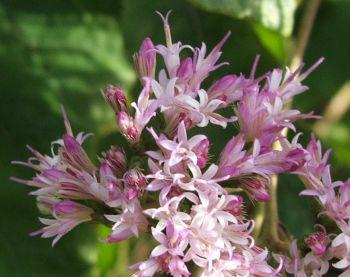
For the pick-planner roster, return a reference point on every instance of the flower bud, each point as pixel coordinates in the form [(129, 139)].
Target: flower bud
[(257, 188), (226, 89), (295, 159), (75, 155), (135, 182), (66, 207), (115, 158), (235, 206), (115, 97), (126, 126), (46, 204), (317, 242), (201, 150), (145, 59), (185, 70), (174, 122)]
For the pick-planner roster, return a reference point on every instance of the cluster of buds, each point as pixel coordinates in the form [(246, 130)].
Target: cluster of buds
[(198, 218)]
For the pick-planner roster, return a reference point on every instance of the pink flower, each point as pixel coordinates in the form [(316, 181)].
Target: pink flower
[(127, 224), (323, 189), (341, 250), (203, 111), (173, 242), (67, 215), (204, 182), (144, 108), (227, 89), (182, 149), (163, 180), (261, 113), (255, 264), (233, 158), (317, 242), (316, 161), (195, 218), (268, 162), (170, 211), (73, 154), (295, 265), (204, 65)]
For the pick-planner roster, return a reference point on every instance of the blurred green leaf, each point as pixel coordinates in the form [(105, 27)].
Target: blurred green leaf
[(273, 41), (298, 214), (112, 259), (277, 15), (51, 54)]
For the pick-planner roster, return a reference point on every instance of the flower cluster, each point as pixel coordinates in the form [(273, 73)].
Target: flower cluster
[(334, 198), (192, 206)]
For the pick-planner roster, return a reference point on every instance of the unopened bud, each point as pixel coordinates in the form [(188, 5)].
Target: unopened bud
[(75, 155), (66, 207), (294, 159), (115, 158), (185, 70), (126, 126), (115, 97), (257, 188), (145, 59), (135, 182), (226, 89), (235, 206), (201, 150)]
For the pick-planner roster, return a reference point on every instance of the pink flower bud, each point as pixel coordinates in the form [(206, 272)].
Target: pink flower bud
[(126, 126), (235, 206), (201, 150), (226, 87), (115, 158), (295, 159), (75, 155), (257, 188), (135, 182), (66, 207), (115, 97), (145, 59), (185, 70), (317, 242)]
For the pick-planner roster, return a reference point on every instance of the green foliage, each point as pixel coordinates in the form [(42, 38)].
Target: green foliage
[(274, 42), (112, 260), (277, 15), (51, 55)]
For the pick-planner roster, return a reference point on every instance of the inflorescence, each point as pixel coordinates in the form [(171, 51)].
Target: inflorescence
[(174, 191)]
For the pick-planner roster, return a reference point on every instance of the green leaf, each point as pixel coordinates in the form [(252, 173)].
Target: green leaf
[(273, 41), (277, 15), (59, 53), (112, 259)]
